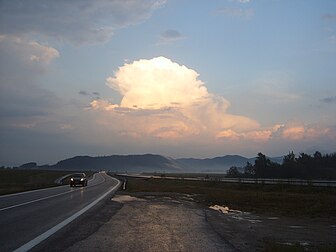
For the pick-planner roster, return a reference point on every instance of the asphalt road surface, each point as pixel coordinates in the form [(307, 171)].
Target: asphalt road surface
[(30, 217)]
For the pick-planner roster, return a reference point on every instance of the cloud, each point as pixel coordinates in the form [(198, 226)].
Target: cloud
[(157, 83), (259, 135), (22, 101), (169, 36), (329, 17), (236, 12), (302, 132), (289, 132), (93, 95), (76, 21), (164, 99), (330, 99), (278, 88), (83, 93), (204, 117), (243, 1), (25, 52)]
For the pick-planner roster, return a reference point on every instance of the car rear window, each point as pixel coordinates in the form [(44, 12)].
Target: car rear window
[(79, 175)]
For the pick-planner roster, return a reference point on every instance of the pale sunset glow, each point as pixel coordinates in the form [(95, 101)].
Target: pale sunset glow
[(176, 78)]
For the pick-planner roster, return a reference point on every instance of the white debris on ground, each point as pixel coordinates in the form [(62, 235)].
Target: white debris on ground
[(236, 214), (222, 209), (125, 198)]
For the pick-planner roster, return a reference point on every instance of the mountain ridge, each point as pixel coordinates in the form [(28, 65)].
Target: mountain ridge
[(147, 163)]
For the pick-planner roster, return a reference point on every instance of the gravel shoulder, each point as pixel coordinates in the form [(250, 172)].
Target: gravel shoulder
[(154, 224), (175, 222)]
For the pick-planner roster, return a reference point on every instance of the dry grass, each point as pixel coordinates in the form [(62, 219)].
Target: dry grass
[(281, 199), (15, 180)]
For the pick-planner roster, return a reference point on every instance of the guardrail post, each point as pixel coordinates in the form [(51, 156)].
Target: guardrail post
[(124, 184)]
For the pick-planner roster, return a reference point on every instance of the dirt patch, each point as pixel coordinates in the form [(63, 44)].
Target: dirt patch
[(125, 198), (155, 224)]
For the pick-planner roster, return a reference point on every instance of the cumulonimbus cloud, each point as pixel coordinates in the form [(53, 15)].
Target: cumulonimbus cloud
[(156, 84), (165, 99)]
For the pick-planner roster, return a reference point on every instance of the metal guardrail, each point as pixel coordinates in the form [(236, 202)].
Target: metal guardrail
[(302, 182), (331, 183)]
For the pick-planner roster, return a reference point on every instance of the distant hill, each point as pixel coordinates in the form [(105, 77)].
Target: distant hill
[(31, 165), (217, 164), (148, 163), (129, 163)]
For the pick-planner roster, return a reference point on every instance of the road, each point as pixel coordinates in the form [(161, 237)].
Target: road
[(30, 217)]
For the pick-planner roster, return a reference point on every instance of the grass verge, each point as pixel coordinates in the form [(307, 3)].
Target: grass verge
[(279, 199), (15, 180)]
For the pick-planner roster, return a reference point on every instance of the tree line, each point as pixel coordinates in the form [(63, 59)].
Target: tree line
[(304, 166)]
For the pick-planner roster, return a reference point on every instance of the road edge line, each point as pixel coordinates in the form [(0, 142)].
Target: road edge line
[(35, 190), (29, 245)]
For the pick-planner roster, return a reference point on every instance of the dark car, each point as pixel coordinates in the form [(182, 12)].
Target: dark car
[(78, 179)]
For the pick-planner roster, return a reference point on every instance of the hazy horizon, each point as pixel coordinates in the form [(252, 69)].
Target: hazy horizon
[(179, 78)]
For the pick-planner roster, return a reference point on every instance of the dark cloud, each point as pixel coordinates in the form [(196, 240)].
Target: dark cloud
[(77, 21), (26, 101), (22, 100), (330, 17), (95, 95), (171, 34), (331, 99), (83, 93)]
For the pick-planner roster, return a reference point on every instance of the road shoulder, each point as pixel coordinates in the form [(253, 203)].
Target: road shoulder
[(175, 222), (154, 224)]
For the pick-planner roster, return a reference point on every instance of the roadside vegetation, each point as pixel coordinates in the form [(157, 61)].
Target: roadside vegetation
[(19, 180), (304, 166), (287, 200)]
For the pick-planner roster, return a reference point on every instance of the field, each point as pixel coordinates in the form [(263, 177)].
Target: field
[(279, 199), (15, 180)]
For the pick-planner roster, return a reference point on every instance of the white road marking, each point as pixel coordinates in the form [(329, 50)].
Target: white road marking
[(44, 198), (32, 201), (38, 190), (54, 229), (31, 191)]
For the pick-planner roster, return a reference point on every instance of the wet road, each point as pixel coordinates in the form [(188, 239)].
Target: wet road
[(25, 216)]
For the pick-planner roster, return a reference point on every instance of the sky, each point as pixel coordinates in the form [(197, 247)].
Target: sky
[(180, 78)]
